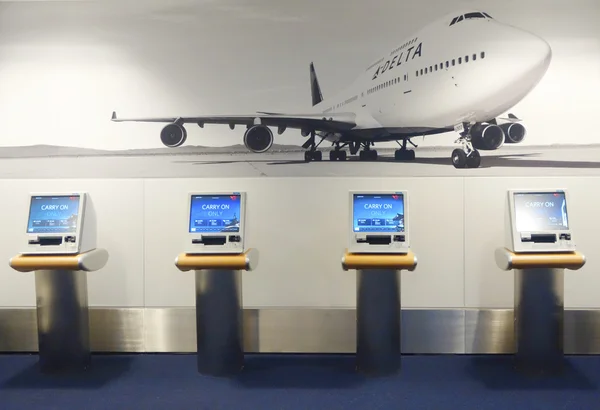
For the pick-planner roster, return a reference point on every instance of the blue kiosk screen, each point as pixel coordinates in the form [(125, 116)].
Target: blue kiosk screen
[(378, 212), (53, 214), (215, 213)]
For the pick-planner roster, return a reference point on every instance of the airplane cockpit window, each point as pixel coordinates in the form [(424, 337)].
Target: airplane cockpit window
[(468, 16), (474, 16)]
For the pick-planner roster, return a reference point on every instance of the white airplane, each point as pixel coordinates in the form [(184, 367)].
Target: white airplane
[(459, 73)]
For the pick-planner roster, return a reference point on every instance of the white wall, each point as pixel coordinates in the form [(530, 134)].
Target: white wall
[(299, 226)]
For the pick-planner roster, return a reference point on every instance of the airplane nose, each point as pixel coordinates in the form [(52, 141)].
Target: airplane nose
[(531, 57), (539, 50)]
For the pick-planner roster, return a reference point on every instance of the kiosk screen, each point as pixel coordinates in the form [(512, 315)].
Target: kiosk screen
[(378, 212), (53, 214), (538, 212), (215, 213)]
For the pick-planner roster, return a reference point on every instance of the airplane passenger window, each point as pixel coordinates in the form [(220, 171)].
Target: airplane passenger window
[(453, 62), (425, 70), (459, 60), (483, 54), (466, 59), (447, 64), (474, 57), (417, 73), (421, 71), (436, 67), (431, 69)]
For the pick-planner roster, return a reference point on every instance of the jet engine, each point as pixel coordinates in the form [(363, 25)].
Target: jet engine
[(258, 138), (173, 135), (514, 132), (487, 137)]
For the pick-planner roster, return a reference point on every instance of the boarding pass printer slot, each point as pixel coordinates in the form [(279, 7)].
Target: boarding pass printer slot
[(210, 240), (47, 241), (538, 238)]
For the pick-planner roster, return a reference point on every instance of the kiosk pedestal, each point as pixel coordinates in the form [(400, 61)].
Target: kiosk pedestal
[(539, 306), (220, 349), (62, 306), (378, 309)]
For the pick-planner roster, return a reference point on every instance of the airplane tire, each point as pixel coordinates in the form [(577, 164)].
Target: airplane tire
[(368, 155), (333, 155), (474, 160), (313, 156), (459, 158), (404, 155), (342, 155)]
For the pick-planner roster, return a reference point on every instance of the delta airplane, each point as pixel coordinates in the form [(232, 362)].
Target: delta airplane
[(459, 73)]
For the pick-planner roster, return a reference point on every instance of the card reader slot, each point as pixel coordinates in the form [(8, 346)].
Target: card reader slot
[(379, 239), (210, 240)]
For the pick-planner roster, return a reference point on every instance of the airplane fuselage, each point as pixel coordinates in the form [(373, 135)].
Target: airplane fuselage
[(471, 71)]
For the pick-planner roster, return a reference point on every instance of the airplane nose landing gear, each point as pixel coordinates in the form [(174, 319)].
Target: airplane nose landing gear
[(467, 156), (460, 159)]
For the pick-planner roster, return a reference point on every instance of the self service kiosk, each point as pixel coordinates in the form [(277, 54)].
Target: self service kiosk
[(214, 249), (378, 223), (59, 245), (216, 223), (56, 224), (379, 248), (539, 245)]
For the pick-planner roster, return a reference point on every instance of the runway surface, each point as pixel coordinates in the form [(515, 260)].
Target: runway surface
[(523, 161)]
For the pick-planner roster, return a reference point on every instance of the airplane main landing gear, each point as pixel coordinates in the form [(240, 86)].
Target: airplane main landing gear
[(337, 155), (313, 155), (404, 154), (467, 156), (367, 154)]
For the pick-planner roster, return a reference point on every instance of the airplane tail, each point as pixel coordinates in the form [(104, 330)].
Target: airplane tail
[(315, 89)]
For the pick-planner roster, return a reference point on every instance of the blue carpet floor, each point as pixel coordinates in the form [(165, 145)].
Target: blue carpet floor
[(298, 382)]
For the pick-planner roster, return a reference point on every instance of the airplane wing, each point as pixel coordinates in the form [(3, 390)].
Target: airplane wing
[(338, 122)]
